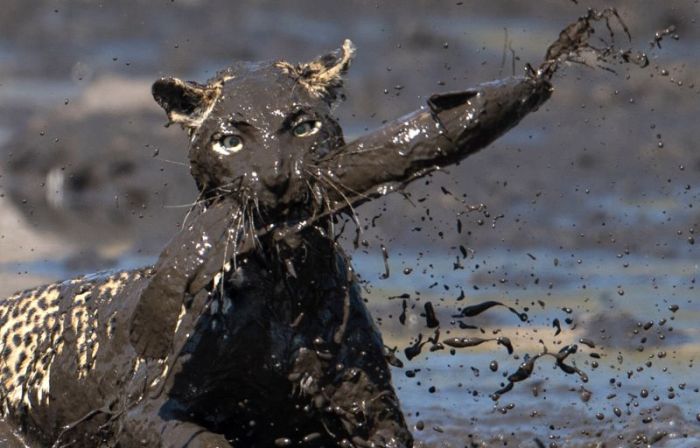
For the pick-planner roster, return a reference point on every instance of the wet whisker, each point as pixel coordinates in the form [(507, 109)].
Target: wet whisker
[(355, 217), (173, 162), (192, 206), (339, 183), (251, 226), (237, 180)]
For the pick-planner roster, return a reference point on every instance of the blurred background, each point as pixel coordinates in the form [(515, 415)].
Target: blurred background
[(590, 207)]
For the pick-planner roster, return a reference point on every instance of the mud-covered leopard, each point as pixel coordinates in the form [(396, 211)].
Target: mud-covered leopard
[(250, 330)]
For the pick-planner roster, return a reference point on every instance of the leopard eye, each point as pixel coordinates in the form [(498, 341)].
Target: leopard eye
[(228, 144), (306, 128)]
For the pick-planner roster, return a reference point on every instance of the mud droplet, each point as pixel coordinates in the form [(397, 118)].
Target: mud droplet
[(493, 365), (430, 319), (474, 310), (585, 394), (504, 341), (402, 316), (587, 342), (556, 324), (385, 256), (464, 342), (414, 350)]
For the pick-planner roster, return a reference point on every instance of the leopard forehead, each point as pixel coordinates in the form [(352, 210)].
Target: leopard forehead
[(263, 96)]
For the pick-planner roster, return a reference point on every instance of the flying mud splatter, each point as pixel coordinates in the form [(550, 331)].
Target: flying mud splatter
[(572, 46)]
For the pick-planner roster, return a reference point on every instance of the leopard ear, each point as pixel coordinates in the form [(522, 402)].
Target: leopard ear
[(186, 103), (323, 77)]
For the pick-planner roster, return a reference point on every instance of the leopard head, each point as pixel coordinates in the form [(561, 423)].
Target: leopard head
[(256, 129)]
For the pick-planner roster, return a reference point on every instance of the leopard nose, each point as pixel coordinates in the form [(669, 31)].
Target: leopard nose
[(276, 181), (278, 186)]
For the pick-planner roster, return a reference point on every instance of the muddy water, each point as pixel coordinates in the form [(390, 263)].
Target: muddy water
[(639, 354), (591, 205)]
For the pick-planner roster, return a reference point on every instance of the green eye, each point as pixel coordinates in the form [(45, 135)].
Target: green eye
[(232, 142), (306, 128), (228, 144)]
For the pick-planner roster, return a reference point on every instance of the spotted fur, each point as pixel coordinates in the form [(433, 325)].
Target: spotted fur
[(34, 326), (69, 322)]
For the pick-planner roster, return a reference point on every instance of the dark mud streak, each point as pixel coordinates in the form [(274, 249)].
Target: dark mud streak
[(475, 310), (527, 367)]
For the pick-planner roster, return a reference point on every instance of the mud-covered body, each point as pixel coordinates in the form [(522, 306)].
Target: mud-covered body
[(260, 364), (250, 330)]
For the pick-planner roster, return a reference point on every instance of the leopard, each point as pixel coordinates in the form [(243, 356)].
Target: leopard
[(250, 329)]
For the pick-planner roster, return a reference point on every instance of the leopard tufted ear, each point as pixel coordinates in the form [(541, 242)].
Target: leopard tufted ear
[(186, 103), (323, 77)]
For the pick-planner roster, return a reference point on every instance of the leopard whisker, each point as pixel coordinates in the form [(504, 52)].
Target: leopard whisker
[(252, 227), (339, 183), (330, 183), (192, 206)]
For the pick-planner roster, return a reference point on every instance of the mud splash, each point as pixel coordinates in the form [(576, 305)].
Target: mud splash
[(663, 425), (572, 46)]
